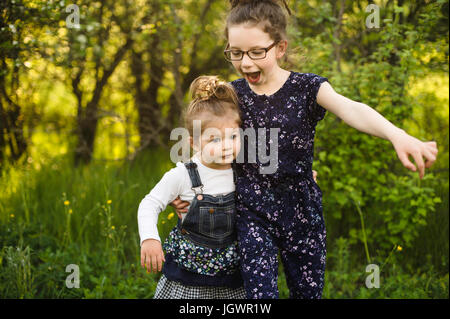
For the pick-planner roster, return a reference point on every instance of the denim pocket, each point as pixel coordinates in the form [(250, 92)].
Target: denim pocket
[(216, 222)]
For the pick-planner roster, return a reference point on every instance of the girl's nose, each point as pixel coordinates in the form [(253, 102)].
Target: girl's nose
[(227, 145), (246, 61)]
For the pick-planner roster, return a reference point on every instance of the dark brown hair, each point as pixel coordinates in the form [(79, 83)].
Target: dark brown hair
[(210, 96), (266, 13)]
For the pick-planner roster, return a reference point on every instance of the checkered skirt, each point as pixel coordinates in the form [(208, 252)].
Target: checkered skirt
[(169, 289)]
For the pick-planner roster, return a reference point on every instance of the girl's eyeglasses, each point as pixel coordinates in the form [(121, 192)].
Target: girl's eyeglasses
[(254, 54)]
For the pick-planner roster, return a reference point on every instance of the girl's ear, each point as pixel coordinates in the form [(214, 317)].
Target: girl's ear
[(281, 48)]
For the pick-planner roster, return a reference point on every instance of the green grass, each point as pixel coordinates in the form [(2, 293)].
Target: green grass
[(53, 215)]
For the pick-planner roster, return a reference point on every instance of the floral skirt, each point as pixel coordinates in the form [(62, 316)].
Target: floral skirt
[(199, 259), (168, 289)]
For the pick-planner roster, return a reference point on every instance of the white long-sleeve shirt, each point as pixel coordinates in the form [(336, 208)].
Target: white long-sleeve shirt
[(176, 182)]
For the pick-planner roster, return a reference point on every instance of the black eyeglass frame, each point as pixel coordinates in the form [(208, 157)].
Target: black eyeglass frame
[(246, 52)]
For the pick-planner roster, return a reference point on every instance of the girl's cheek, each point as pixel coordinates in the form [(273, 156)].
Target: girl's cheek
[(212, 152), (236, 66), (237, 147)]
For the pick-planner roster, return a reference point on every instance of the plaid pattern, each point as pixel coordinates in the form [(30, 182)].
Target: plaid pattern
[(168, 289)]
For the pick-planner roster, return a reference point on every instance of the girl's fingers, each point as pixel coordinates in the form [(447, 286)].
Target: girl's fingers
[(420, 164), (432, 143), (406, 162), (154, 263), (142, 260), (181, 209), (430, 158), (182, 205), (148, 261), (432, 147), (159, 262), (175, 202)]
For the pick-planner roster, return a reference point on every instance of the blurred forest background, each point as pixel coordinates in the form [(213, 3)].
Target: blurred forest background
[(86, 114)]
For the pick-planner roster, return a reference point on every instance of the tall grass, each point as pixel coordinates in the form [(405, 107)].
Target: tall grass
[(77, 215)]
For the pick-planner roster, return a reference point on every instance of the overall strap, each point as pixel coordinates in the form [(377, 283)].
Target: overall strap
[(197, 185)]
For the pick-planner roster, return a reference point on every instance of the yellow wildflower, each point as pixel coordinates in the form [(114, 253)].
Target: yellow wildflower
[(112, 227), (399, 248), (170, 216), (66, 203), (70, 211), (109, 202), (12, 215)]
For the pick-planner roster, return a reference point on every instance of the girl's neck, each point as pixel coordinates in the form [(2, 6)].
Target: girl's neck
[(275, 82), (211, 165), (216, 166)]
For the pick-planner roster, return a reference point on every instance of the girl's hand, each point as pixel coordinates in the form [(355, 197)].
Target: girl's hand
[(152, 255), (315, 175), (406, 145), (179, 205)]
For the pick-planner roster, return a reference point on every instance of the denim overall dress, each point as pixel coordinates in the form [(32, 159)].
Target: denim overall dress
[(201, 259), (210, 221)]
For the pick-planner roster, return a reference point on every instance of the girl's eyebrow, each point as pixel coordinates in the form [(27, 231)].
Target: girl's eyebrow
[(252, 48)]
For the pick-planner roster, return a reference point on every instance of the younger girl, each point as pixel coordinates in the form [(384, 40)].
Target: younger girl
[(282, 212), (201, 258)]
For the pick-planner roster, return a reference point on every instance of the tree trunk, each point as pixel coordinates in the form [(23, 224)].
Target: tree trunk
[(11, 127), (145, 99), (87, 118)]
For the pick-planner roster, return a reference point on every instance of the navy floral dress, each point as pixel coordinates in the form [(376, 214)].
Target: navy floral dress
[(282, 211)]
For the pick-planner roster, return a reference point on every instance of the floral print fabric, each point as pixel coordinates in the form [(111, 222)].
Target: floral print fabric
[(281, 211), (199, 259)]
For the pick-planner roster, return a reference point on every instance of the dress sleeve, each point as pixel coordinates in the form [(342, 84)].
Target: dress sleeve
[(164, 192), (317, 112)]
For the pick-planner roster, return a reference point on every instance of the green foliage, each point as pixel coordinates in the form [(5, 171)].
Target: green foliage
[(16, 273), (357, 171), (88, 217)]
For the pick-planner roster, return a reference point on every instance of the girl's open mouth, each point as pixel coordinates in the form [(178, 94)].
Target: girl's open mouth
[(253, 77)]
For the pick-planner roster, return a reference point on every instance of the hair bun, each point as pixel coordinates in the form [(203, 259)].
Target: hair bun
[(207, 86)]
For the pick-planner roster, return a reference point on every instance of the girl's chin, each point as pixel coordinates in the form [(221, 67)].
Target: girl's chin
[(221, 161)]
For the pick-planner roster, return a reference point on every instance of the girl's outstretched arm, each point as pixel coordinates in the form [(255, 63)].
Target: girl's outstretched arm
[(367, 120)]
